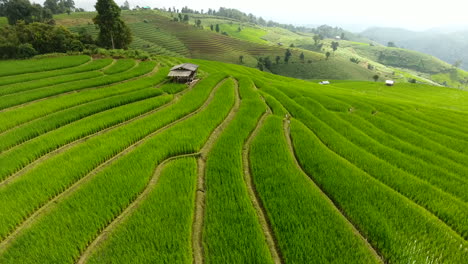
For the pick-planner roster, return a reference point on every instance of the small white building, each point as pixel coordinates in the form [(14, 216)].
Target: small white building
[(324, 82), (389, 82)]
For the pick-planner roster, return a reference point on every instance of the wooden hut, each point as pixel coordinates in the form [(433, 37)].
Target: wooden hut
[(184, 72)]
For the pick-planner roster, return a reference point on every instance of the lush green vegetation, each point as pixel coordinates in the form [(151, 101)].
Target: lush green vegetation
[(110, 169)]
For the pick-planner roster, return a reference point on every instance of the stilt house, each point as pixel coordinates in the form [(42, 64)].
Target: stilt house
[(184, 72)]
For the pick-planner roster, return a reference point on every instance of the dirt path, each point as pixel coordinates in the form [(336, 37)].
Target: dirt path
[(129, 210), (254, 197), (197, 228), (287, 134), (30, 220), (63, 148), (114, 61), (155, 70)]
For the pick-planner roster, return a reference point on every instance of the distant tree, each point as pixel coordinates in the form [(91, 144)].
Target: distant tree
[(260, 65), (335, 45), (241, 59), (267, 63), (217, 28), (277, 59), (391, 44), (2, 7), (16, 10), (327, 54), (375, 77), (355, 60), (343, 35), (412, 80), (113, 32), (292, 45), (180, 17), (239, 29), (302, 57), (370, 67), (457, 63), (126, 6), (186, 18), (287, 55), (198, 22), (211, 27), (317, 39)]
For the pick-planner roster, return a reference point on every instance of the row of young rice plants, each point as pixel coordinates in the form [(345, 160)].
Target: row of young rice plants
[(120, 66), (62, 234), (401, 231), (415, 113), (393, 238), (360, 117), (455, 140), (445, 118), (10, 118), (178, 180), (56, 174), (32, 85), (274, 105), (370, 113), (12, 67), (37, 127), (419, 191), (307, 227), (231, 231), (27, 96), (352, 109), (173, 88), (89, 66), (17, 158), (392, 112), (449, 182)]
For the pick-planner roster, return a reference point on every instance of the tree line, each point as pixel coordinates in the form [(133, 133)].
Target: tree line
[(32, 30)]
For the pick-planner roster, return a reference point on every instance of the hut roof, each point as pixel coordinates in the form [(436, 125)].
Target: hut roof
[(185, 67), (177, 73)]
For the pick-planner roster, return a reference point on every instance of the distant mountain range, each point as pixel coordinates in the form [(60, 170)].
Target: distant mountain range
[(448, 45)]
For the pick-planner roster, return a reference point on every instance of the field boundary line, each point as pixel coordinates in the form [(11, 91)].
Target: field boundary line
[(253, 194), (356, 231), (155, 70), (198, 217), (69, 190), (132, 207), (114, 61), (85, 138)]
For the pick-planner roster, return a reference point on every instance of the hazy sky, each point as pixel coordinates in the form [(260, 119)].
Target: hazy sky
[(410, 14)]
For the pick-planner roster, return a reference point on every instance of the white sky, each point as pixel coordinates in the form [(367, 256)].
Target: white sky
[(410, 14)]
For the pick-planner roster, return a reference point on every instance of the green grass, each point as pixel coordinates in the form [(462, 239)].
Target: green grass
[(83, 158), (376, 163), (13, 67), (120, 66), (31, 150), (227, 203), (27, 96), (119, 180), (21, 78), (12, 117), (409, 234), (177, 180), (310, 216)]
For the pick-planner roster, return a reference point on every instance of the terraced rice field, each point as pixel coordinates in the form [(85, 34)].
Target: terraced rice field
[(105, 161)]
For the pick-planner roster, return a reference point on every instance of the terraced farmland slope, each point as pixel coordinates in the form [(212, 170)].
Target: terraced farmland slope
[(105, 161), (156, 31)]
